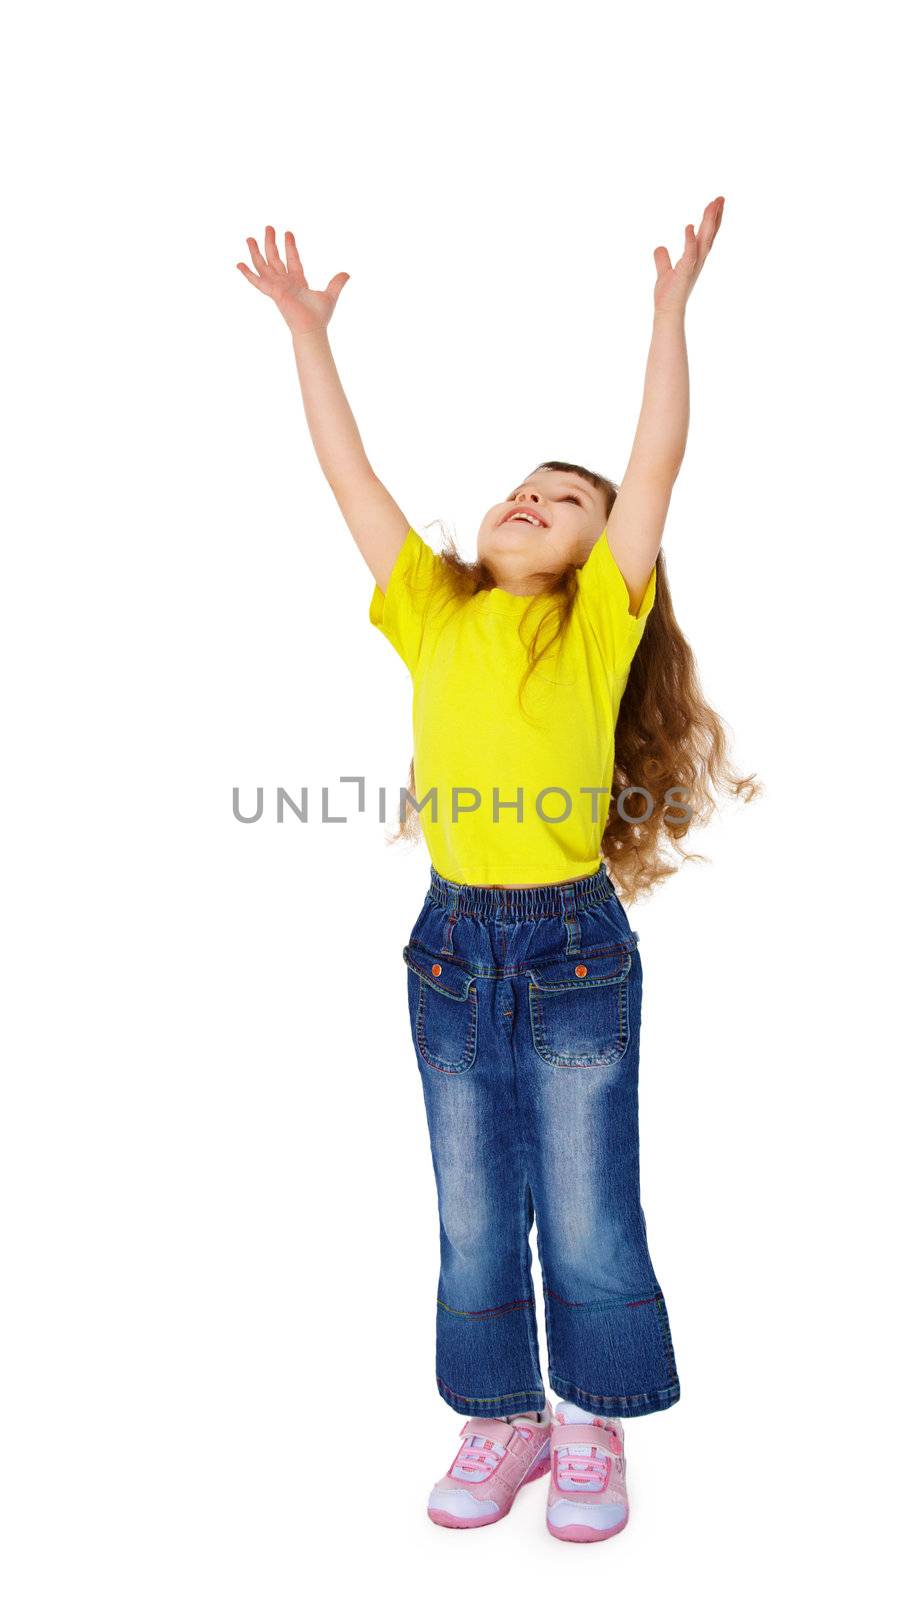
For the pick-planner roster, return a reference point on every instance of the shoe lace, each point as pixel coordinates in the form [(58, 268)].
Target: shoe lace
[(583, 1467), (477, 1458)]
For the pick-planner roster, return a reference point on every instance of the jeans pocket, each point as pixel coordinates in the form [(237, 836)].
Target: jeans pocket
[(578, 1007), (443, 1004)]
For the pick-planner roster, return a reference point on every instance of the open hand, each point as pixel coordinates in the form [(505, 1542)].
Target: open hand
[(303, 309), (675, 283)]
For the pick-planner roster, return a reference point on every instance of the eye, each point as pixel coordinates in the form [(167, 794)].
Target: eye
[(575, 499)]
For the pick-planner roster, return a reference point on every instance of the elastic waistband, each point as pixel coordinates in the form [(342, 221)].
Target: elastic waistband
[(521, 905)]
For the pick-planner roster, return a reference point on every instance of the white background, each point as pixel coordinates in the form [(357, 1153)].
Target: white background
[(219, 1234)]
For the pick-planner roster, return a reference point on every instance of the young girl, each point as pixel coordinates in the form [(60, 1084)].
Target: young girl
[(559, 734)]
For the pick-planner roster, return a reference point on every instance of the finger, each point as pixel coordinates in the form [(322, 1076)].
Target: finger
[(271, 251), (257, 257), (690, 249), (706, 228), (336, 284), (661, 260), (294, 264), (252, 277), (710, 223)]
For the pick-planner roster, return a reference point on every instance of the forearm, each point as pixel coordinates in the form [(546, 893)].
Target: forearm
[(662, 430), (334, 432)]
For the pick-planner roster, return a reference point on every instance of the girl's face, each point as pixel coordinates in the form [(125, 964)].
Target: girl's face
[(568, 517)]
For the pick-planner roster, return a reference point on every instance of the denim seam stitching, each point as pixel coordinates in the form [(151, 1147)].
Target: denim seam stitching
[(552, 1057), (491, 1399), (471, 1040), (663, 1321), (651, 1395), (531, 1330), (566, 984), (489, 1311), (521, 970)]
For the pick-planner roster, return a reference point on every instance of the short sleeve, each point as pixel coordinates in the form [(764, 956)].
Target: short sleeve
[(604, 597), (403, 613)]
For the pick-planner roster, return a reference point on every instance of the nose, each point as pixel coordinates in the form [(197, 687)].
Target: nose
[(524, 498)]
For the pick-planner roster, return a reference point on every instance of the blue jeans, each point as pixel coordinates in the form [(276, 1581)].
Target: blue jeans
[(525, 1009)]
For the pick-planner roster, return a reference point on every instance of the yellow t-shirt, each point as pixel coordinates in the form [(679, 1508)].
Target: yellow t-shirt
[(467, 657)]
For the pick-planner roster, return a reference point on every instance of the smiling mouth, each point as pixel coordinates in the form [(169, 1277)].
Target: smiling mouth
[(524, 516)]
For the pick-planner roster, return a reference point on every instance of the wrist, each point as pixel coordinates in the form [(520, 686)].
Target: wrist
[(669, 314), (307, 337)]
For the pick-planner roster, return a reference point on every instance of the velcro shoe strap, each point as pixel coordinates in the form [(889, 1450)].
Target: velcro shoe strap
[(564, 1434), (490, 1428), (523, 1448)]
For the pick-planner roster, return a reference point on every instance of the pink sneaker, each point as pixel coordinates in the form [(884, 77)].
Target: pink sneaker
[(587, 1498), (495, 1459)]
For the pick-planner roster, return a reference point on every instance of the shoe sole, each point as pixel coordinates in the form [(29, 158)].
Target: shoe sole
[(445, 1519)]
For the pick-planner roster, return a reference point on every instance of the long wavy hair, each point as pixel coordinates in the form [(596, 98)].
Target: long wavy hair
[(669, 742)]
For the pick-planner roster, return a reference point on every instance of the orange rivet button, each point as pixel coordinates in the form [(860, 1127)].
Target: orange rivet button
[(436, 969), (581, 972)]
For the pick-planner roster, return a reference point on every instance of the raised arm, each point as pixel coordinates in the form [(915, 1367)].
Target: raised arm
[(377, 524), (635, 526)]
